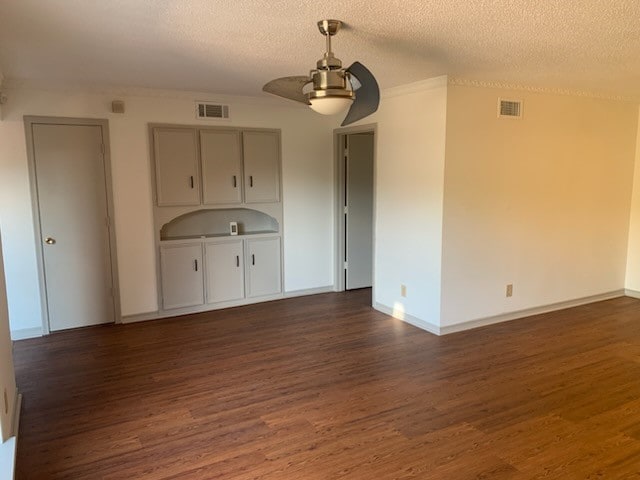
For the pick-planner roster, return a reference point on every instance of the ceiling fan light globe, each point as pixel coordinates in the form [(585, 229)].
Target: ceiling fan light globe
[(330, 105)]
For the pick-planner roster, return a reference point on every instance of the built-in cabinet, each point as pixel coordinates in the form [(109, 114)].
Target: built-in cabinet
[(205, 178), (221, 166), (229, 166), (230, 268), (182, 279), (177, 166), (264, 266), (261, 167), (225, 270)]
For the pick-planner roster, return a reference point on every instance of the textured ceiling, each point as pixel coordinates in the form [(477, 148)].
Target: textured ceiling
[(235, 46)]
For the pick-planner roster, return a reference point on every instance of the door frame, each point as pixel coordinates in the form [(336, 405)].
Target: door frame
[(29, 121), (339, 189)]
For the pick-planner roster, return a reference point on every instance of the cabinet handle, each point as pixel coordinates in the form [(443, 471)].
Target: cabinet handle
[(237, 260), (195, 262), (235, 183), (251, 180), (191, 181), (253, 259)]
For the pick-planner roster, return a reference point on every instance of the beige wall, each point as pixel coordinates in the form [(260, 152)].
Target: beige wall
[(633, 253), (307, 187), (541, 202)]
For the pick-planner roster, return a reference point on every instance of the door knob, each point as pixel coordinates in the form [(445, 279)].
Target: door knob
[(49, 241)]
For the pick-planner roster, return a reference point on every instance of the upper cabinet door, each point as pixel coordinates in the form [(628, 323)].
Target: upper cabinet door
[(261, 167), (176, 160), (221, 153)]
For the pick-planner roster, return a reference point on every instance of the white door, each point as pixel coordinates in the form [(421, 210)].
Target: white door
[(225, 271), (221, 166), (359, 213), (261, 166), (263, 259), (181, 274), (72, 202)]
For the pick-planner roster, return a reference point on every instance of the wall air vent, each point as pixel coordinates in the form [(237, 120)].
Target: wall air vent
[(212, 111), (509, 108)]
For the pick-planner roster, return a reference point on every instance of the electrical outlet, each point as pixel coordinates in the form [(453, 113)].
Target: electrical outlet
[(403, 290), (510, 290)]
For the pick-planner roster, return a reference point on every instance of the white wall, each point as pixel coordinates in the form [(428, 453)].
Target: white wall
[(541, 202), (307, 187), (410, 154), (633, 249), (7, 374)]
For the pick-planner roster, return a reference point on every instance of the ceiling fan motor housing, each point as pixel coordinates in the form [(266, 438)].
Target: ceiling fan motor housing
[(330, 83)]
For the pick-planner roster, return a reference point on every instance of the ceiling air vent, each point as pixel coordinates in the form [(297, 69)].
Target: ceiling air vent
[(509, 108), (206, 110)]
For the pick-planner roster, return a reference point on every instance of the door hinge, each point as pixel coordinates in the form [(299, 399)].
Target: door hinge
[(345, 209), (346, 265), (103, 149), (108, 221)]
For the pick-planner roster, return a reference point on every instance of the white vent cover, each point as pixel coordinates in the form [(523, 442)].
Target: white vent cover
[(205, 110), (509, 108)]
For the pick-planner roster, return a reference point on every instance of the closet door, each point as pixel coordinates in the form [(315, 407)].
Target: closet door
[(225, 270), (176, 162), (221, 152), (261, 166)]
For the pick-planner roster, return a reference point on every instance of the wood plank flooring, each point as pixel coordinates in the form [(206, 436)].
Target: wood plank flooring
[(324, 387)]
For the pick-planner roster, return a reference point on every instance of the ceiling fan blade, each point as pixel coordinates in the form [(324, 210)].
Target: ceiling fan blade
[(367, 95), (288, 87)]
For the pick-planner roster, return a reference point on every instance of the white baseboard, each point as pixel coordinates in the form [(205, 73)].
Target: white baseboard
[(8, 449), (309, 291), (405, 317), (156, 315), (552, 307), (631, 293), (24, 333), (140, 317), (505, 317)]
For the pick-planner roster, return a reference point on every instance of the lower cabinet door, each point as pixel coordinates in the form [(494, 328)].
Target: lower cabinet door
[(225, 270), (182, 275), (263, 267)]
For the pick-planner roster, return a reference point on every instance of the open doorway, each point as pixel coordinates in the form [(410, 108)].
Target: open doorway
[(355, 162)]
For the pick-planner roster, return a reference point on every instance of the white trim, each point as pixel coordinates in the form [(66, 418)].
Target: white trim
[(309, 291), (24, 333), (552, 307), (631, 293), (8, 449), (415, 87), (130, 91), (339, 201), (142, 317), (405, 317), (17, 408), (465, 82), (157, 315), (505, 317)]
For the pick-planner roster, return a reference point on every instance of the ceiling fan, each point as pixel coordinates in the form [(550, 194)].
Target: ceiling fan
[(330, 89)]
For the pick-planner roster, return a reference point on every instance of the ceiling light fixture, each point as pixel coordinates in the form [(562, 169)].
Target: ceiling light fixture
[(331, 89)]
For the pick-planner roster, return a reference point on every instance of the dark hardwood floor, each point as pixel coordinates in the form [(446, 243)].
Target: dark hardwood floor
[(324, 387)]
